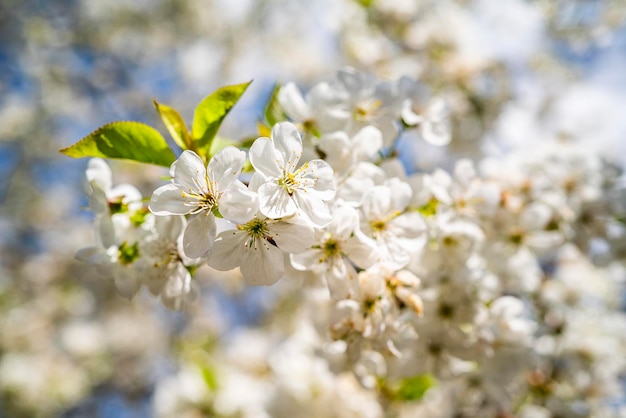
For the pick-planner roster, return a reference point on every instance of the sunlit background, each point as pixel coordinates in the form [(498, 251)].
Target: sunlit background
[(514, 73)]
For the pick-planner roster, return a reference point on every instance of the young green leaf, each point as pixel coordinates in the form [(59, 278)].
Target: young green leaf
[(175, 125), (124, 140), (273, 110), (211, 112), (413, 388)]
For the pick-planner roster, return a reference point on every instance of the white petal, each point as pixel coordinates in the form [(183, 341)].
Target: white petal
[(156, 284), (345, 222), (199, 235), (408, 115), (313, 208), (535, 217), (126, 281), (288, 143), (227, 250), (169, 227), (256, 181), (264, 158), (435, 128), (105, 231), (306, 260), (225, 166), (342, 280), (98, 202), (543, 240), (292, 237), (238, 204), (321, 175), (337, 148), (292, 101), (275, 202), (92, 255), (400, 194), (178, 284), (99, 173), (129, 194), (361, 250), (408, 225), (262, 264), (367, 142), (376, 203), (189, 172), (168, 200)]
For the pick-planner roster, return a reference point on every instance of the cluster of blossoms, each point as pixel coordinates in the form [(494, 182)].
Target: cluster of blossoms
[(475, 281)]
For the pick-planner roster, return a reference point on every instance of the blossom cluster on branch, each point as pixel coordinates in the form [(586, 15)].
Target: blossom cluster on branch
[(439, 293)]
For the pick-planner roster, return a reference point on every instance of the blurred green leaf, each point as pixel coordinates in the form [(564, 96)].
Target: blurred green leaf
[(273, 110), (220, 143), (366, 3), (175, 125), (124, 140), (413, 388), (210, 378), (211, 112)]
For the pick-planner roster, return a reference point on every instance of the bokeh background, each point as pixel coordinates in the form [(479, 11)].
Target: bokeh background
[(513, 72)]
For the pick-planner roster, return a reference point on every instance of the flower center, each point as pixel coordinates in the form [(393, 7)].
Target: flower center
[(256, 228), (296, 180), (201, 201), (204, 196), (331, 248), (289, 182)]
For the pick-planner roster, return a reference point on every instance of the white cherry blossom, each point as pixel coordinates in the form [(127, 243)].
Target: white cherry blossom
[(337, 247), (257, 247), (200, 191), (286, 188)]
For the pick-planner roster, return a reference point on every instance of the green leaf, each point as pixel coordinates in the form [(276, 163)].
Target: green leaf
[(211, 112), (273, 110), (124, 140), (219, 143), (210, 377), (175, 125), (366, 3), (413, 388)]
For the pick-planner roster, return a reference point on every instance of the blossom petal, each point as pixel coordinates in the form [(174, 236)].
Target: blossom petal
[(168, 200), (199, 235), (290, 98), (169, 227), (98, 202), (263, 158), (361, 250), (322, 177), (189, 172), (126, 281), (262, 264), (342, 279), (345, 222), (435, 128), (288, 143), (306, 260), (275, 202), (312, 208), (105, 230), (376, 203), (238, 204), (225, 166), (99, 173), (367, 142), (93, 255), (292, 237), (129, 194), (227, 250)]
